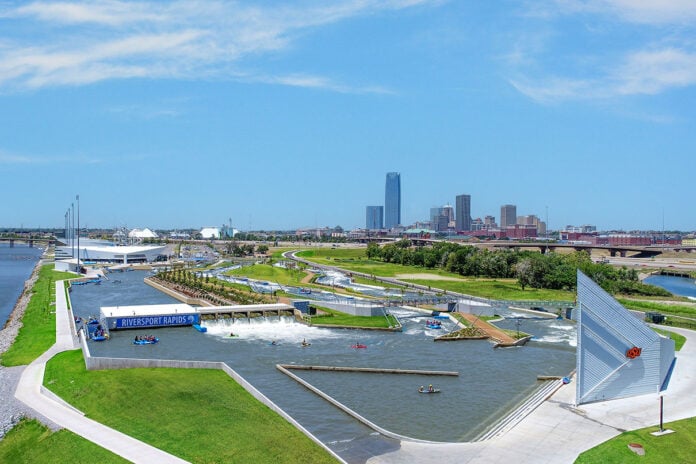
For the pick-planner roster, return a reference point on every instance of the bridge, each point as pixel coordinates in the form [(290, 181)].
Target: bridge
[(48, 241), (647, 251)]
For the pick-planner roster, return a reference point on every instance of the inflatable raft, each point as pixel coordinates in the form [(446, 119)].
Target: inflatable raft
[(146, 342)]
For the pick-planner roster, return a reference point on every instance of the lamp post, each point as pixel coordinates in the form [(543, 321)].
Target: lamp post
[(72, 234), (79, 267)]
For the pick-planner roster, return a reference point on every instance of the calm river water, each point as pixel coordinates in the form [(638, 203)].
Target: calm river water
[(681, 286), (490, 381), (16, 264)]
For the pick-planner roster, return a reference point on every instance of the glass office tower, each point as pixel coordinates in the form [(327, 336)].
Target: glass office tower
[(392, 200)]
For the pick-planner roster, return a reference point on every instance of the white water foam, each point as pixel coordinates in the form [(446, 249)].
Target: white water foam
[(283, 329)]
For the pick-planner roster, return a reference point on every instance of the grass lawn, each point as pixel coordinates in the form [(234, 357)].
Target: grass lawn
[(668, 449), (498, 289), (39, 330), (353, 259), (677, 310), (270, 273), (31, 442), (200, 415), (334, 317)]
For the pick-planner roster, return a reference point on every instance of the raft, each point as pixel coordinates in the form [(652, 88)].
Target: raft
[(200, 328), (433, 326), (437, 390), (146, 342)]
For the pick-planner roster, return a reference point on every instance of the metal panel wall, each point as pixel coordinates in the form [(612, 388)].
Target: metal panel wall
[(618, 354)]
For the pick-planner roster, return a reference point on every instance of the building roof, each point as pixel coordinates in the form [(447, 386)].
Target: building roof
[(142, 233)]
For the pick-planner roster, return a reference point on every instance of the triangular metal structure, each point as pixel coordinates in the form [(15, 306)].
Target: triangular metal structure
[(618, 355)]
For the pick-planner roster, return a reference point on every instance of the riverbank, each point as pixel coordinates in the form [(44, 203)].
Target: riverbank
[(11, 410)]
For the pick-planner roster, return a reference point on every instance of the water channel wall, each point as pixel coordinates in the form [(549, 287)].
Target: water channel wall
[(174, 294), (354, 309)]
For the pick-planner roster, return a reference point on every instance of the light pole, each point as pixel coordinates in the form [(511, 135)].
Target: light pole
[(72, 234), (79, 267)]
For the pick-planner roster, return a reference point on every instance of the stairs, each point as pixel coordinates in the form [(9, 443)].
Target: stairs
[(544, 391)]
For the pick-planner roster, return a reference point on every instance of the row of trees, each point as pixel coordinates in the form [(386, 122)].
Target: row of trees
[(532, 269)]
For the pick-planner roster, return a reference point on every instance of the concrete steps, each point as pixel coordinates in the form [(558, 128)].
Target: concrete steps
[(511, 420)]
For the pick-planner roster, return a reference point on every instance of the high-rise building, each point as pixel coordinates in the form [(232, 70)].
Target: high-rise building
[(463, 212), (392, 200), (373, 217), (508, 216)]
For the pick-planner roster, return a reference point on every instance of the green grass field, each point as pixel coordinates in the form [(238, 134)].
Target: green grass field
[(30, 442), (270, 273), (200, 415), (333, 317), (500, 289), (679, 447), (39, 330), (677, 310)]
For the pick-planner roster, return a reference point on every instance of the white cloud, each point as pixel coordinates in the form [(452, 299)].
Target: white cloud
[(652, 72), (73, 43), (635, 11)]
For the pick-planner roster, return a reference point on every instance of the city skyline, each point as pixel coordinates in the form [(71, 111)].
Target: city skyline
[(172, 115)]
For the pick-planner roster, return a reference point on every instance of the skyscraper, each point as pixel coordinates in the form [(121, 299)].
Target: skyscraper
[(463, 212), (508, 216), (373, 217), (392, 200)]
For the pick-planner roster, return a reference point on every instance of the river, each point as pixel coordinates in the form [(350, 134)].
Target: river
[(16, 264), (680, 286)]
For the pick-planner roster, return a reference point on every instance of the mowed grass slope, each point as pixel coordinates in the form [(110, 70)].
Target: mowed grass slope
[(499, 289), (679, 447), (200, 415), (38, 332), (30, 442)]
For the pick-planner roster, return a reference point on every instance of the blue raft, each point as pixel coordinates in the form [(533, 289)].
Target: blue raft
[(200, 328), (146, 342)]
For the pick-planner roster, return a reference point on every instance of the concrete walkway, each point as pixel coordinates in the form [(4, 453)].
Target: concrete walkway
[(29, 391), (489, 329), (557, 431)]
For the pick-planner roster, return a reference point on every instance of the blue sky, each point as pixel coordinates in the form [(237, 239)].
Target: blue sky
[(286, 114)]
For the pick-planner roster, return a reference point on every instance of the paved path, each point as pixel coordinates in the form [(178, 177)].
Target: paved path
[(557, 431), (29, 392), (489, 329)]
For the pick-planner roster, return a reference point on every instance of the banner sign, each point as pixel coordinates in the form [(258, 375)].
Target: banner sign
[(136, 322)]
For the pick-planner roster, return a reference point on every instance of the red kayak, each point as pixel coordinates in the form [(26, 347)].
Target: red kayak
[(358, 345)]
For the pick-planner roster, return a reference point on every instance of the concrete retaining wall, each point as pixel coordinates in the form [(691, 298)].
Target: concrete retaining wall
[(355, 310)]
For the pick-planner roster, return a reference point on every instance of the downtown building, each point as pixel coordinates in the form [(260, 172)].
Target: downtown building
[(508, 216), (463, 213), (392, 200), (374, 217)]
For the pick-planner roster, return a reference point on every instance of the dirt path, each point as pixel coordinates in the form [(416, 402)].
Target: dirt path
[(308, 278)]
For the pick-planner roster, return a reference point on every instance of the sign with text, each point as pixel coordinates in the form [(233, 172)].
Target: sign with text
[(136, 322)]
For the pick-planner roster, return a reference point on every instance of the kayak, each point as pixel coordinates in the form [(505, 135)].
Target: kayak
[(305, 344), (359, 345), (437, 390), (273, 344)]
